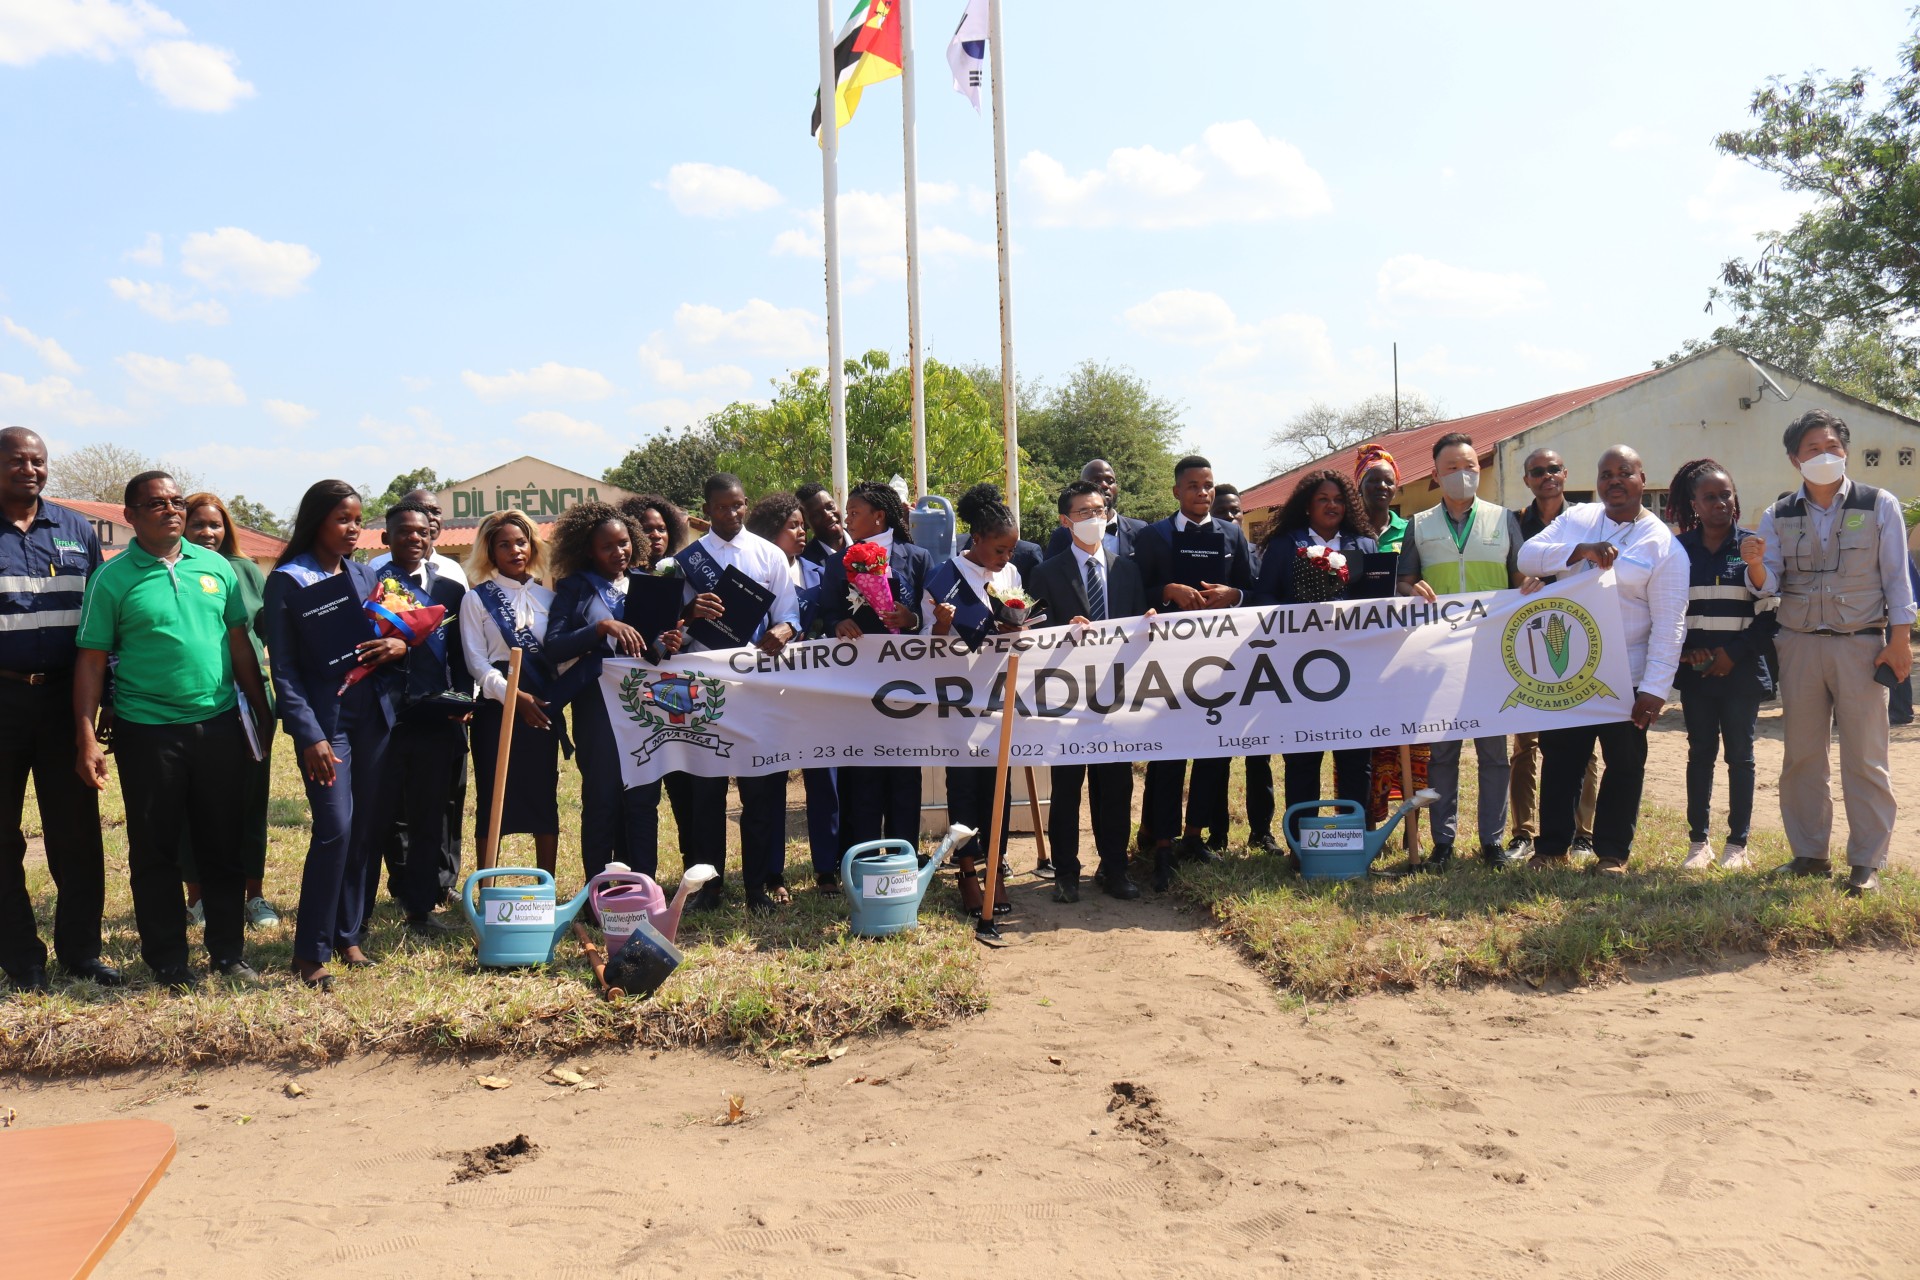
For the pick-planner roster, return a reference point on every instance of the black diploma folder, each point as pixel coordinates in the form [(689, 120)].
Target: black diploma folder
[(1199, 555), (1372, 577), (653, 604), (745, 603), (331, 622)]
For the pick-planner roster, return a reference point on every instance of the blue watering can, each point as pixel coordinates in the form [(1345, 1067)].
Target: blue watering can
[(518, 924), (884, 882), (932, 523), (1339, 847)]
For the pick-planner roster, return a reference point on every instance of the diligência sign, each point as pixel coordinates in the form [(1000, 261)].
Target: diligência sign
[(477, 504)]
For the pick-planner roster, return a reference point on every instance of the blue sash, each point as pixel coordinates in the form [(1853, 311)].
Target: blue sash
[(494, 600), (700, 568), (972, 618)]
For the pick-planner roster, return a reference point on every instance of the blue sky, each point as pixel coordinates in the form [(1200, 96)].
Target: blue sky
[(279, 243)]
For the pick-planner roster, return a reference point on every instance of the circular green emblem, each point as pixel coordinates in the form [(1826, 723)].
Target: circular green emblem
[(1551, 649)]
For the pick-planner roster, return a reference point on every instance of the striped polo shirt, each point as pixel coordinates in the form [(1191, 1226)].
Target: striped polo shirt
[(1724, 613), (43, 573)]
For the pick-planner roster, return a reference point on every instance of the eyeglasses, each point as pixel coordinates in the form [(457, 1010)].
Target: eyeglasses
[(157, 505), (1541, 473)]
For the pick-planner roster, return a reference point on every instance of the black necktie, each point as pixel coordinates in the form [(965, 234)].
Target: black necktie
[(1096, 592)]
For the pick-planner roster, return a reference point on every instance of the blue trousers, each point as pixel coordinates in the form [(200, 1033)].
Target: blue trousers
[(1714, 719), (618, 823), (346, 833), (823, 820)]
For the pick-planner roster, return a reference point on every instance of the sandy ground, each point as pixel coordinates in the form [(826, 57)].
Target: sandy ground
[(1136, 1103)]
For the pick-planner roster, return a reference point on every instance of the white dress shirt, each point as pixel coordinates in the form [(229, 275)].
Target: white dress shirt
[(481, 641), (1104, 559), (761, 561), (1007, 579), (442, 565), (1652, 572)]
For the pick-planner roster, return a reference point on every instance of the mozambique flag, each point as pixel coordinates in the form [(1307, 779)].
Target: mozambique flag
[(867, 52)]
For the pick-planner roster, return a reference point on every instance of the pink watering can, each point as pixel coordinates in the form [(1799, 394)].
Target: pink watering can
[(622, 897)]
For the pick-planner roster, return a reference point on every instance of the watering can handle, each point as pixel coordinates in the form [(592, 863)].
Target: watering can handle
[(488, 873), (846, 859), (1311, 806)]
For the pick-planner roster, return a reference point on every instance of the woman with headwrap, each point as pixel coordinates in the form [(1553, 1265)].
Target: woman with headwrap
[(1377, 476)]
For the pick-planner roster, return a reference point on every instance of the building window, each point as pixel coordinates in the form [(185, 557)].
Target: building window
[(1906, 457), (1873, 457)]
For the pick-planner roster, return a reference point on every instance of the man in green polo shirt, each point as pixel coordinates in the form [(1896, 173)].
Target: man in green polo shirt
[(171, 614)]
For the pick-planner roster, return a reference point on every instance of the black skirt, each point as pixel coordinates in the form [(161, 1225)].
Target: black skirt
[(533, 774)]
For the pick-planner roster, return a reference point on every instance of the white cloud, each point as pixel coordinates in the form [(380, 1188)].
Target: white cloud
[(1184, 315), (670, 374), (184, 73), (54, 397), (51, 353), (672, 412), (413, 383), (201, 380), (553, 423), (759, 328), (193, 77), (1234, 173), (549, 381), (715, 191), (161, 301), (239, 261), (1411, 283), (1739, 203), (1639, 138), (151, 252), (289, 414), (873, 238), (1439, 362), (1558, 359), (1195, 317)]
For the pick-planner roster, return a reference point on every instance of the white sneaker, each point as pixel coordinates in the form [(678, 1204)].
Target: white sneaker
[(1734, 858), (260, 913), (197, 913), (1699, 857)]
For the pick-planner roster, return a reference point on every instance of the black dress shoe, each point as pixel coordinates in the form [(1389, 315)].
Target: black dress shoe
[(1122, 887), (97, 970), (178, 978), (1194, 849), (708, 897), (33, 978), (827, 882), (1066, 889), (1044, 870), (1495, 856), (430, 927), (1806, 867), (1264, 843), (1862, 881), (1162, 870), (760, 904)]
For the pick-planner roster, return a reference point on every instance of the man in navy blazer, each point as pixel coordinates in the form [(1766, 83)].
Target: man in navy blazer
[(423, 781), (1121, 529), (1153, 552), (1091, 583)]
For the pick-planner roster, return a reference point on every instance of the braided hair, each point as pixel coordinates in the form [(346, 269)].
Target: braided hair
[(984, 509), (882, 498), (1680, 509)]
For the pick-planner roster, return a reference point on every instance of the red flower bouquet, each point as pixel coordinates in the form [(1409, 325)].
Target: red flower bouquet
[(1319, 574), (866, 566), (395, 610), (1012, 609)]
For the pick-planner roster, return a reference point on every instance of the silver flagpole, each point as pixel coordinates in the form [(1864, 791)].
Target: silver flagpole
[(916, 371), (1007, 410), (830, 218)]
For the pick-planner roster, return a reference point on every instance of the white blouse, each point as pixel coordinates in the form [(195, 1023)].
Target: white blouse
[(480, 638), (1006, 578)]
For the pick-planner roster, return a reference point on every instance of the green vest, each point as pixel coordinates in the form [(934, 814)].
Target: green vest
[(1451, 568)]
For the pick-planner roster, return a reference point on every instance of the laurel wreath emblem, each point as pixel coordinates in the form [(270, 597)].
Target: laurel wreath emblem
[(633, 697)]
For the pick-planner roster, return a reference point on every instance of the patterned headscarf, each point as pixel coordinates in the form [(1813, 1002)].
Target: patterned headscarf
[(1370, 457)]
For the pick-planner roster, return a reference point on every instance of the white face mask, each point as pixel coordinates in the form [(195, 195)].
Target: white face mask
[(1460, 485), (1824, 468), (1090, 531)]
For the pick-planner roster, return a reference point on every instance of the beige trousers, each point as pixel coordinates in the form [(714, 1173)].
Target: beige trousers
[(1524, 790), (1827, 684)]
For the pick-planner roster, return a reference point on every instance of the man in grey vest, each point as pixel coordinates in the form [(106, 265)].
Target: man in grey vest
[(1835, 553)]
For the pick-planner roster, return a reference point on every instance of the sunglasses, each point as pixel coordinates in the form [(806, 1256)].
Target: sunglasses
[(1541, 473)]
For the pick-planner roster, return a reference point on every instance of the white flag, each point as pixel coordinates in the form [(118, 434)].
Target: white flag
[(967, 52)]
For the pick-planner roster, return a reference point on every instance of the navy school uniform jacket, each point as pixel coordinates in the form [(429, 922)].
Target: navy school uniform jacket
[(1275, 583), (812, 573), (1026, 555), (423, 672), (907, 567), (305, 696), (1059, 583), (1153, 552)]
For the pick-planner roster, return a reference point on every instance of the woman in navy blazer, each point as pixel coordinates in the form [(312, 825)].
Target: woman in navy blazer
[(593, 547), (877, 802), (341, 737), (1324, 510)]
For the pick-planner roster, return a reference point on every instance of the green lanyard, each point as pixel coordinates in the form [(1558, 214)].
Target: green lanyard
[(1466, 530)]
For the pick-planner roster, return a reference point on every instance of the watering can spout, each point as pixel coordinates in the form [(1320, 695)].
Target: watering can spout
[(696, 875), (1418, 800), (957, 834)]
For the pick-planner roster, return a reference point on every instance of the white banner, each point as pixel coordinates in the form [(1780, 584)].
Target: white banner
[(1180, 686)]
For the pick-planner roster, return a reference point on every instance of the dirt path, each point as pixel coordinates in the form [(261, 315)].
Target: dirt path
[(1761, 1120)]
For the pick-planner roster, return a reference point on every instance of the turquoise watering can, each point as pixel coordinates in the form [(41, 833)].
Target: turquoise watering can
[(1340, 847), (884, 882), (518, 924)]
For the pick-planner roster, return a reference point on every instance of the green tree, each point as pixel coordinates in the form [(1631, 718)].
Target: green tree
[(1100, 411), (1839, 290), (676, 465), (397, 488), (257, 516)]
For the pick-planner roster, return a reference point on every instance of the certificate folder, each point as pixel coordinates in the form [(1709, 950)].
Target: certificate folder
[(745, 603), (331, 622), (1199, 556)]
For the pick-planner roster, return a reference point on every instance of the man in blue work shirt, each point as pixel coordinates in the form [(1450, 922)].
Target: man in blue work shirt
[(46, 553)]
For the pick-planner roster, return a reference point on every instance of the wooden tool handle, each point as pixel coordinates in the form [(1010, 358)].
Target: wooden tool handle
[(510, 710)]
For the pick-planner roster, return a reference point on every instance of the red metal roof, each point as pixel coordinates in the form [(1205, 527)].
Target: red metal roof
[(252, 544), (1413, 450)]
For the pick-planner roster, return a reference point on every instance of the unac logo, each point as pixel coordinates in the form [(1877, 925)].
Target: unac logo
[(210, 584), (1552, 650), (675, 708)]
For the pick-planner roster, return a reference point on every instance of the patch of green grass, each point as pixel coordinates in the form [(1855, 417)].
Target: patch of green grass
[(786, 985)]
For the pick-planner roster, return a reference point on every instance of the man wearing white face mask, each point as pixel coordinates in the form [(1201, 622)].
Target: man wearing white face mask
[(1835, 554), (1464, 544)]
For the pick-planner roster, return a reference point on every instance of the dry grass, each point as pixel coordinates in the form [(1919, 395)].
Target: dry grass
[(790, 985), (1475, 924)]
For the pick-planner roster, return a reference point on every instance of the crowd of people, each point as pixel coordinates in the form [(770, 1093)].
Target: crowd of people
[(178, 658)]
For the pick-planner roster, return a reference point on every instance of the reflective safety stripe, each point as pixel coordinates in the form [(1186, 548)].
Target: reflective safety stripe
[(40, 620), (1719, 592), (1696, 623), (35, 586)]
